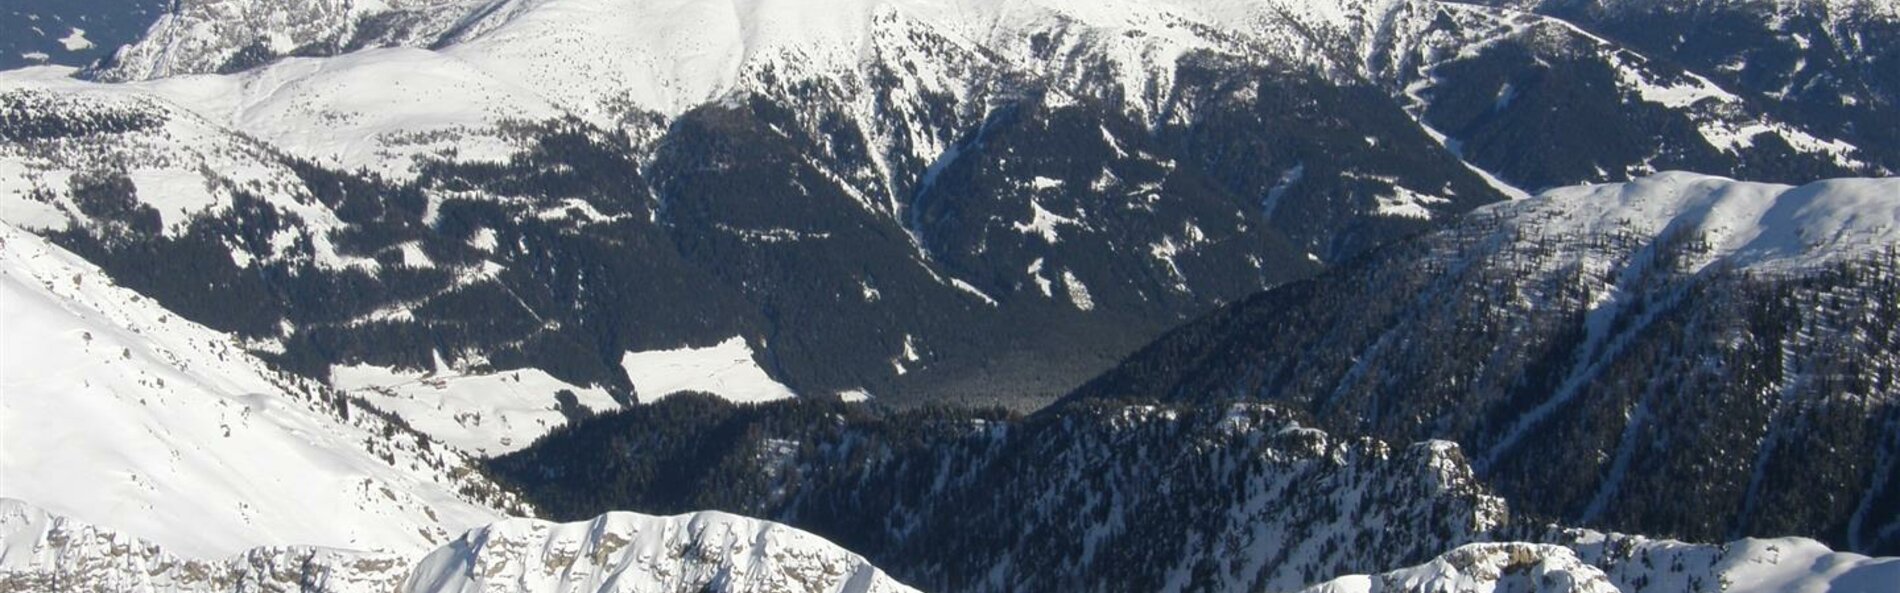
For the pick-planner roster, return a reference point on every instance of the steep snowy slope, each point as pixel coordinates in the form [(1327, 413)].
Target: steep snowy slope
[(1597, 343), (699, 553), (119, 412)]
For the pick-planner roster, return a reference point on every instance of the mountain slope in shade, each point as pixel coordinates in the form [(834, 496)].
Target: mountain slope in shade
[(1582, 561), (1827, 66), (1097, 497), (1595, 344), (122, 413), (699, 553)]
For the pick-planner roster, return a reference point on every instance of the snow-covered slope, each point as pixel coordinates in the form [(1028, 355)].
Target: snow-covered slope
[(66, 136), (1742, 226), (120, 413), (481, 414), (1582, 561), (619, 552)]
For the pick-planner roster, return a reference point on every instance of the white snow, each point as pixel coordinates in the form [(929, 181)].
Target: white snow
[(1780, 565), (1405, 203), (909, 355), (76, 40), (729, 370), (631, 552), (485, 240), (1584, 564), (620, 552), (1043, 223), (1484, 568), (1757, 226), (1078, 292), (973, 291), (1042, 282), (413, 255), (120, 413), (482, 414), (184, 165), (177, 194)]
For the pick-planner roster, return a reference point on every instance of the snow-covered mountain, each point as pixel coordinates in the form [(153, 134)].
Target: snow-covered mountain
[(704, 552), (344, 247), (124, 414), (1055, 182), (1594, 345)]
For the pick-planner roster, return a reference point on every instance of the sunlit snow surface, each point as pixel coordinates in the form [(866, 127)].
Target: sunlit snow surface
[(1584, 564), (729, 370), (1754, 226), (118, 412), (618, 552), (479, 414)]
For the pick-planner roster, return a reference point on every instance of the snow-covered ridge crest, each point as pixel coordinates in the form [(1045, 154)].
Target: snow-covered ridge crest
[(1739, 225), (205, 36), (40, 551), (692, 553), (1487, 568), (669, 56), (627, 551), (1584, 561)]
